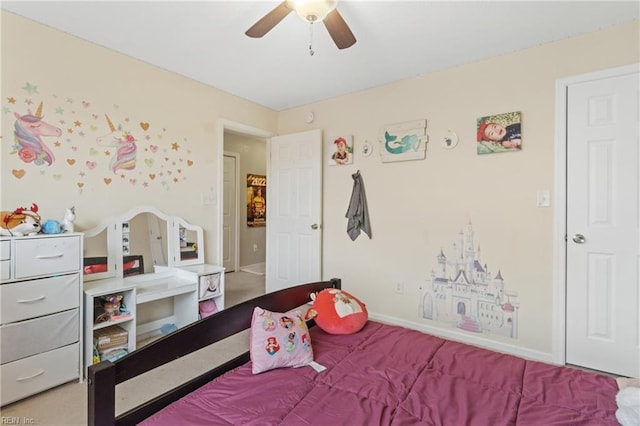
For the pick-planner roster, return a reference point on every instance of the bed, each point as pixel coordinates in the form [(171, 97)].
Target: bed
[(382, 375)]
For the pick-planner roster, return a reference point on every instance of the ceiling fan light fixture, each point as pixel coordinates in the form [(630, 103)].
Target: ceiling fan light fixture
[(312, 10)]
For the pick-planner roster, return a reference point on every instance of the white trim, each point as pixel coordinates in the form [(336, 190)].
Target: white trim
[(466, 338), (558, 340), (236, 234), (224, 124)]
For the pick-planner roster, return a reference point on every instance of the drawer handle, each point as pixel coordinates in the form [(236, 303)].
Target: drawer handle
[(37, 299), (33, 376), (50, 256)]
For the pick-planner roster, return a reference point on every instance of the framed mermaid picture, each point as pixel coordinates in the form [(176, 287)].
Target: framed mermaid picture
[(499, 133), (403, 141)]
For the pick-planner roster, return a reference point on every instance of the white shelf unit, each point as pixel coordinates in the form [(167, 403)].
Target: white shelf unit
[(210, 279), (40, 313), (96, 289), (177, 286)]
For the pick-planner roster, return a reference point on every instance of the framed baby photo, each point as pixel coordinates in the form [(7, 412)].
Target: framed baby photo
[(499, 133), (340, 149)]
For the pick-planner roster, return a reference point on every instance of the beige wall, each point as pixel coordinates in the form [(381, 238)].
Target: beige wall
[(68, 71), (418, 208)]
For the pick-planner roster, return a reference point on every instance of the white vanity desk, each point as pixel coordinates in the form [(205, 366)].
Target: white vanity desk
[(156, 263)]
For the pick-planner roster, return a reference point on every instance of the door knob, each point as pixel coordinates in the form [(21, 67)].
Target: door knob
[(579, 239), (314, 226)]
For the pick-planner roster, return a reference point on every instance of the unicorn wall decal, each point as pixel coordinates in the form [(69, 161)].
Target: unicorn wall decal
[(28, 131), (126, 154)]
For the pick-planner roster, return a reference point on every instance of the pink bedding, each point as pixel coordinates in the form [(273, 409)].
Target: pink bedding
[(387, 375)]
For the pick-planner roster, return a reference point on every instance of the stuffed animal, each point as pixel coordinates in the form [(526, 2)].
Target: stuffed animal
[(69, 217), (51, 226), (21, 221), (338, 312)]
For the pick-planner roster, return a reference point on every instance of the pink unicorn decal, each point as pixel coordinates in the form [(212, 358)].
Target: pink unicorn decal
[(28, 131), (126, 155)]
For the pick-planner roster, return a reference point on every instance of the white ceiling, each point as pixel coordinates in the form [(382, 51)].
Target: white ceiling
[(205, 41)]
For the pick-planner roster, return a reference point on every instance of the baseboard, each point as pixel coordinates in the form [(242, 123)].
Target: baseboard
[(256, 268)]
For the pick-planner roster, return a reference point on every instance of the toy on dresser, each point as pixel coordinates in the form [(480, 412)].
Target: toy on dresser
[(69, 217), (52, 226), (21, 221)]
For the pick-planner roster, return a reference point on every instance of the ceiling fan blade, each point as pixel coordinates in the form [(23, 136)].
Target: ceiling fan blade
[(268, 21), (339, 30)]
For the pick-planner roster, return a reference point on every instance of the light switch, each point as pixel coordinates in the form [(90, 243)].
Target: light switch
[(208, 198), (543, 198)]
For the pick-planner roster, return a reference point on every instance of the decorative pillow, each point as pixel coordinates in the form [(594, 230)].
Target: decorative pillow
[(279, 340), (338, 312)]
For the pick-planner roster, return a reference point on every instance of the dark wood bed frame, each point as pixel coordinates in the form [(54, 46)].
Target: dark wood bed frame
[(105, 376)]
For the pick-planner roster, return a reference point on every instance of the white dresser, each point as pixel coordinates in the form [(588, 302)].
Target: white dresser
[(40, 313)]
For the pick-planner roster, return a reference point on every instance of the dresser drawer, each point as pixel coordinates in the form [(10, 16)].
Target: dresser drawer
[(28, 299), (27, 338), (5, 250), (5, 259), (43, 256), (5, 270), (37, 373)]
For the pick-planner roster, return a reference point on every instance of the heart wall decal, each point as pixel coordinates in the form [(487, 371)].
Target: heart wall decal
[(19, 173), (144, 125)]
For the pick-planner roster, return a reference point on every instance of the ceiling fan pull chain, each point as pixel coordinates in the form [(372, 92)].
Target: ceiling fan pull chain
[(311, 52)]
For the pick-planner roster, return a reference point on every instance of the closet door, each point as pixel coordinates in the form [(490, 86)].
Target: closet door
[(602, 327)]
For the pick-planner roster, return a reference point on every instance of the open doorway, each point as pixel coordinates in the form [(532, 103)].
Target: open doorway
[(243, 244)]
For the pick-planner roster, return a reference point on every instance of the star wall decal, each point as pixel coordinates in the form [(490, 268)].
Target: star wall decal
[(30, 88), (175, 146)]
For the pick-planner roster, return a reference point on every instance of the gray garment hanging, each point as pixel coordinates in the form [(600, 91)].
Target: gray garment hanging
[(358, 213)]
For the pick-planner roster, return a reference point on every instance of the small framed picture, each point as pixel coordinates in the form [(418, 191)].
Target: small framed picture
[(450, 140), (340, 150), (366, 149)]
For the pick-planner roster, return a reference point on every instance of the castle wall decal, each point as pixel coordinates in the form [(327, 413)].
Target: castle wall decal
[(465, 294)]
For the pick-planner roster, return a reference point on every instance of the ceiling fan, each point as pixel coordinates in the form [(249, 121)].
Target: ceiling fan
[(311, 11)]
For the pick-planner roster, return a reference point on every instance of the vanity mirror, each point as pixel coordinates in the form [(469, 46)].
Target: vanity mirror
[(140, 241), (145, 276)]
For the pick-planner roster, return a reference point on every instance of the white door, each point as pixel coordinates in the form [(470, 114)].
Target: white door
[(294, 209), (602, 320), (229, 213)]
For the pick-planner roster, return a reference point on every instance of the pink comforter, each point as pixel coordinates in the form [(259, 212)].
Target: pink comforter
[(387, 375)]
